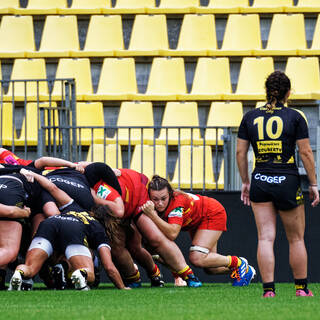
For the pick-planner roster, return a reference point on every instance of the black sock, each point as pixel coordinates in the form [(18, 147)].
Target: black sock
[(269, 286), (2, 279), (301, 284)]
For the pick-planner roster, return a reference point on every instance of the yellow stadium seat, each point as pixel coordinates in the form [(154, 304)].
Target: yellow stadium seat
[(16, 36), (79, 69), (221, 176), (315, 47), (179, 114), (176, 6), (149, 35), (35, 7), (86, 7), (305, 6), (252, 77), (304, 76), (202, 173), (90, 114), (110, 154), (31, 124), (154, 160), (211, 80), (7, 128), (117, 80), (242, 35), (103, 38), (197, 36), (28, 69), (261, 6), (135, 114), (224, 6), (59, 37), (222, 114), (166, 81), (133, 6), (287, 35), (9, 6)]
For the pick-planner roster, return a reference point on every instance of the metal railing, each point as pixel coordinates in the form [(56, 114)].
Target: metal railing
[(21, 94)]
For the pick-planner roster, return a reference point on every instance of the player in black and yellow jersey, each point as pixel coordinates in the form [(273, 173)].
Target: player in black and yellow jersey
[(72, 233), (274, 130)]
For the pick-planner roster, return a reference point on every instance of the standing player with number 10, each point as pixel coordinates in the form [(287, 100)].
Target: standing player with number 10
[(273, 130)]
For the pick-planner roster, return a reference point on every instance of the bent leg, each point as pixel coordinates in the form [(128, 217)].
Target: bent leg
[(85, 263), (265, 217), (212, 262), (166, 248), (294, 225), (10, 238), (141, 255), (34, 260)]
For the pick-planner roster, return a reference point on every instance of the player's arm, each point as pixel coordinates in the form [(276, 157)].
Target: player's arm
[(60, 196), (43, 162), (116, 206), (242, 161), (307, 158), (110, 268), (170, 230), (14, 212)]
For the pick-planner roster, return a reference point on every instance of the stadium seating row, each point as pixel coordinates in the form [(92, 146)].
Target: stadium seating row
[(36, 7), (155, 160), (150, 37), (167, 79), (132, 114)]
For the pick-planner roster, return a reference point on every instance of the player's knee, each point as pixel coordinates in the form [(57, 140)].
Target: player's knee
[(198, 255), (7, 255)]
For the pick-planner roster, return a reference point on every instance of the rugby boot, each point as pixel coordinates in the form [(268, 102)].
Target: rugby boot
[(269, 294), (192, 281), (303, 293), (238, 274), (16, 281), (79, 280)]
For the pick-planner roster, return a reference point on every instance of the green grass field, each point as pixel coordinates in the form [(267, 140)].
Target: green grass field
[(212, 301)]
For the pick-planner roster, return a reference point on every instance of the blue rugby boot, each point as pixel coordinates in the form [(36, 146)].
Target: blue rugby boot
[(249, 275), (193, 281), (239, 273)]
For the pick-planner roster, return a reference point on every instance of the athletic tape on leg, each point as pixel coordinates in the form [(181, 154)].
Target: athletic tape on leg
[(199, 249)]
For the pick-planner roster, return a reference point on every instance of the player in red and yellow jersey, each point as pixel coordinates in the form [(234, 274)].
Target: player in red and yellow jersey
[(205, 219), (134, 194), (8, 157)]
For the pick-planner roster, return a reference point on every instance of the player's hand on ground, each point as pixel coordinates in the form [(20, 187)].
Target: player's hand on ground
[(245, 190), (148, 208), (314, 195), (28, 174)]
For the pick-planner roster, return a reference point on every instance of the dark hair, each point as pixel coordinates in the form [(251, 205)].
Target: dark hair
[(277, 86), (102, 213), (159, 183)]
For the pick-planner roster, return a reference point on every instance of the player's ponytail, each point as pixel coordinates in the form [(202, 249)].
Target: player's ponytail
[(102, 213), (277, 86)]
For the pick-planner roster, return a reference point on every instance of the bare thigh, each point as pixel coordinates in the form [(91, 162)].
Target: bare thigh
[(207, 239), (78, 262), (265, 215), (294, 222), (10, 238)]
